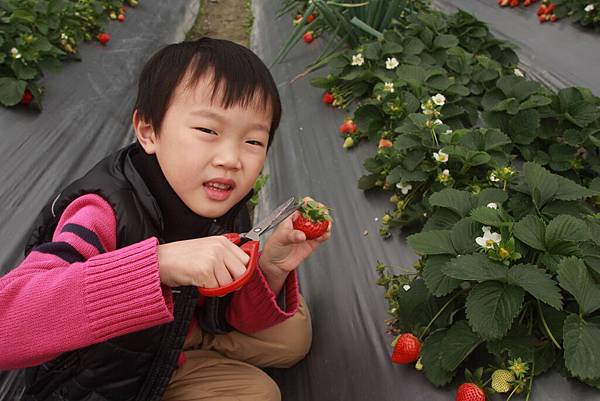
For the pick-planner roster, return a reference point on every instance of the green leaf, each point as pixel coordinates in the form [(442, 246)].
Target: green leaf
[(582, 348), (542, 184), (11, 91), (441, 219), (491, 98), (463, 236), (574, 277), (565, 228), (445, 41), (477, 267), (519, 88), (536, 282), (490, 195), (437, 283), (582, 113), (492, 306), (458, 342), (487, 216), (367, 181), (535, 101), (524, 126), (569, 190), (431, 356), (412, 74), (413, 46), (434, 242), (459, 201), (531, 230)]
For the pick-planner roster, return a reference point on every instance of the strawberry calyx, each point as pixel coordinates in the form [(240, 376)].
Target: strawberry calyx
[(311, 210)]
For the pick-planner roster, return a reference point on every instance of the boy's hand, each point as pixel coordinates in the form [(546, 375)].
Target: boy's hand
[(286, 248), (208, 262)]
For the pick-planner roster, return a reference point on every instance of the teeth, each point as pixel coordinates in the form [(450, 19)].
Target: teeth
[(217, 185)]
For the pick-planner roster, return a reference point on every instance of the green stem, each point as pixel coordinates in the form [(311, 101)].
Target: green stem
[(511, 393), (530, 381), (546, 326), (439, 313)]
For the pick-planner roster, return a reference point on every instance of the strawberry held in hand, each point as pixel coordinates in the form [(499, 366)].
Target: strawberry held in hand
[(470, 392), (313, 220), (407, 349)]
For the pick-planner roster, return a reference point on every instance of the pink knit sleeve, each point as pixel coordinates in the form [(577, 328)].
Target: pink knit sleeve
[(254, 307), (78, 289)]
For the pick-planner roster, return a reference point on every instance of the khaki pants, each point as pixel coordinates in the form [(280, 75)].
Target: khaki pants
[(226, 367)]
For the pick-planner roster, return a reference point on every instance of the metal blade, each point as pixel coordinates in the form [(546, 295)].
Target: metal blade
[(272, 220)]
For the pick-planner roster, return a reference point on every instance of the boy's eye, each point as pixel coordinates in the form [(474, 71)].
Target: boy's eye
[(257, 143), (206, 130)]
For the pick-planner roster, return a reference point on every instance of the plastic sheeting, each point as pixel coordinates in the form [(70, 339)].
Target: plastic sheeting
[(86, 116), (349, 359)]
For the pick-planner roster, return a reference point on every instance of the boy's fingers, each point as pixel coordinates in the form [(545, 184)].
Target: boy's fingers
[(209, 281), (234, 266), (223, 276), (237, 252)]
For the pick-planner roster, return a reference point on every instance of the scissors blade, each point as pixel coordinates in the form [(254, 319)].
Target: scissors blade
[(272, 220)]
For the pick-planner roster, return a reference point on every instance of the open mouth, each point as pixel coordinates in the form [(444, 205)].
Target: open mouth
[(217, 190)]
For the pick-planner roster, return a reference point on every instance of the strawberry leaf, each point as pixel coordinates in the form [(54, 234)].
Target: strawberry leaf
[(582, 348), (574, 277), (565, 228), (492, 306), (434, 242), (531, 230), (536, 282), (438, 283), (458, 343), (477, 267), (460, 202), (487, 216), (431, 357)]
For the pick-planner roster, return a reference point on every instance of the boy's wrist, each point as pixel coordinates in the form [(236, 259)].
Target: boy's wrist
[(274, 275)]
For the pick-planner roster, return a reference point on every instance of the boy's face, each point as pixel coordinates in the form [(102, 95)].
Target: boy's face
[(211, 156)]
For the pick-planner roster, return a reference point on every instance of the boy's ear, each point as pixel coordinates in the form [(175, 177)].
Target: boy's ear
[(145, 133)]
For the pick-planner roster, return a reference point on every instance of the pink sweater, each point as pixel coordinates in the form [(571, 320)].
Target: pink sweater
[(79, 290)]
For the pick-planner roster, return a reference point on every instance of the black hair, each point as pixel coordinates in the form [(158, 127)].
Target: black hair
[(240, 78)]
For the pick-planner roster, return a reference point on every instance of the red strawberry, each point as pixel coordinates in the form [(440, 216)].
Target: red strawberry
[(121, 17), (407, 349), (348, 127), (541, 10), (514, 3), (103, 38), (328, 97), (313, 220), (470, 392), (297, 19), (550, 8), (27, 97), (527, 3), (553, 18), (385, 143), (308, 37), (310, 18), (542, 18), (504, 3)]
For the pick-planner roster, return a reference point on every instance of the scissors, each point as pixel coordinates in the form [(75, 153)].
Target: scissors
[(249, 243)]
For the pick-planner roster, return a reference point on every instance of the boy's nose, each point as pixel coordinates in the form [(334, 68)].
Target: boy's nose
[(228, 157)]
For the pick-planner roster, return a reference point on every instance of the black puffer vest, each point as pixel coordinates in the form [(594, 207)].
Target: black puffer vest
[(136, 366)]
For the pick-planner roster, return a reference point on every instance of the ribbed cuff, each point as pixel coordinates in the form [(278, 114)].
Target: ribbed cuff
[(254, 307), (123, 293)]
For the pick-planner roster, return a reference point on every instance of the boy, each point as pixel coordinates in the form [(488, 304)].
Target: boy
[(113, 267)]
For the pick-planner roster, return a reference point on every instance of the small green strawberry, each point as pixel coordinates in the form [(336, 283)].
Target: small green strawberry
[(502, 380)]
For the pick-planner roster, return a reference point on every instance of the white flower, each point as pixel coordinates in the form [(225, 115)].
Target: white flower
[(15, 53), (404, 187), (489, 238), (440, 156), (446, 173), (447, 132), (438, 122), (518, 73), (64, 36), (439, 99), (589, 8), (492, 205), (388, 87), (493, 178), (391, 63), (406, 287), (358, 59)]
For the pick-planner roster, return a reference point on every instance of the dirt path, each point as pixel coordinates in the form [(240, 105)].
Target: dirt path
[(225, 19)]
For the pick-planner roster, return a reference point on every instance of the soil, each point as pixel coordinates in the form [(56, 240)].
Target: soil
[(224, 19)]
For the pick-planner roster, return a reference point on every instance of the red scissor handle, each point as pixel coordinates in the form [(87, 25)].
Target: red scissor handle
[(252, 249)]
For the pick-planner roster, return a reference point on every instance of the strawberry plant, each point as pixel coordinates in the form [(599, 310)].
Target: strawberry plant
[(584, 12), (510, 271), (36, 35)]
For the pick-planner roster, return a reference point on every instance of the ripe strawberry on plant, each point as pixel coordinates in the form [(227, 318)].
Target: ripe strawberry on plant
[(27, 97), (385, 143), (308, 37), (348, 127), (103, 38), (328, 97), (297, 19), (470, 392), (313, 219), (121, 17), (407, 349), (310, 18)]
